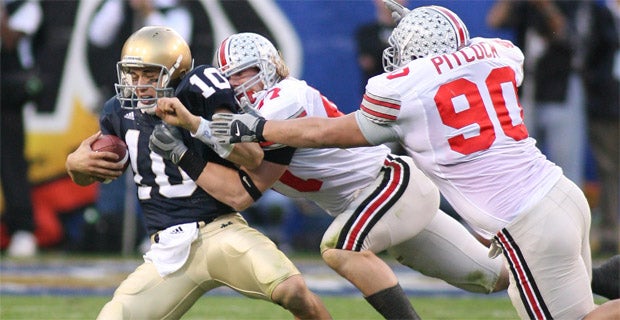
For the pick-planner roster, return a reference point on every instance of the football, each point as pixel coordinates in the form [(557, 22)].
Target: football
[(112, 143)]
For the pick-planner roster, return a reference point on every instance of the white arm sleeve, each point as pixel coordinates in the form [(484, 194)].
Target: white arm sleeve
[(375, 133)]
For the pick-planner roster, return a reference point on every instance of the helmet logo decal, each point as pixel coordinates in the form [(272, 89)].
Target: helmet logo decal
[(459, 28)]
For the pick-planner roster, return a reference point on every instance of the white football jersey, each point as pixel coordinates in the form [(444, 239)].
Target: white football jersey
[(330, 177), (458, 116)]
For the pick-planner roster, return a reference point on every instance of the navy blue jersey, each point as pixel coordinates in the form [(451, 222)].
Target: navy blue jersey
[(198, 93), (204, 90), (167, 195)]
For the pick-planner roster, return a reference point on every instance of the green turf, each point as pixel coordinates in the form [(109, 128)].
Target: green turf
[(237, 308)]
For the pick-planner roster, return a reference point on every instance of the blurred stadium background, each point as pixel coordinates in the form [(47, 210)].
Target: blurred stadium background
[(316, 38)]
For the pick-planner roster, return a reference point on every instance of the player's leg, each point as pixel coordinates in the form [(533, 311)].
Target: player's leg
[(250, 263), (446, 250), (549, 275), (608, 310), (294, 295), (375, 280), (395, 207), (146, 295)]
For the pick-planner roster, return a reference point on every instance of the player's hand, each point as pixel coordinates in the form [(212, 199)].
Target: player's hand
[(398, 11), (86, 166), (233, 128), (167, 142), (204, 135), (174, 113)]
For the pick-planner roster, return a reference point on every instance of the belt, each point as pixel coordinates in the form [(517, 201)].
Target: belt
[(200, 224), (155, 236)]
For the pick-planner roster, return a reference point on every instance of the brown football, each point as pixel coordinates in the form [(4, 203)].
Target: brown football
[(112, 143)]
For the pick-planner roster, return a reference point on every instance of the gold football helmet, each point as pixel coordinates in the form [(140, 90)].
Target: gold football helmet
[(154, 48)]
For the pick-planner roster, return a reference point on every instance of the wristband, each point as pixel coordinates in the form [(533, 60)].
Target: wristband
[(259, 130), (192, 164), (203, 133), (249, 185)]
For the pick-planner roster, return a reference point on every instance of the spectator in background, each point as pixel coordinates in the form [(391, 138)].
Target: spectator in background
[(551, 36), (20, 22), (601, 75), (371, 39), (115, 20)]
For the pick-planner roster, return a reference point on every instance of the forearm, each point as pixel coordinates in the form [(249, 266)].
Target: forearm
[(224, 184), (249, 155), (315, 132), (235, 192), (192, 124)]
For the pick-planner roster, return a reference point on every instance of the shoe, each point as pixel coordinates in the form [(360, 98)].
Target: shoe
[(23, 245)]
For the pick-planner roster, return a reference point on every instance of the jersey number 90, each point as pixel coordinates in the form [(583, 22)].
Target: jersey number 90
[(498, 82)]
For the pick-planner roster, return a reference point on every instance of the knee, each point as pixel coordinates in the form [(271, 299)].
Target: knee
[(338, 259), (608, 310), (502, 281), (112, 310), (292, 293), (332, 257)]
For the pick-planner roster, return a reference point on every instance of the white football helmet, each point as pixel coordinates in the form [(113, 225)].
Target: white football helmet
[(249, 50), (424, 31), (158, 47)]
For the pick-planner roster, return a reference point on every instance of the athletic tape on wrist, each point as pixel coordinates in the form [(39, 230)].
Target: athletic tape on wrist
[(249, 185), (192, 164)]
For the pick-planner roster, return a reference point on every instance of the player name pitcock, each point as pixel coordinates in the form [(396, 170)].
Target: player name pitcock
[(466, 55)]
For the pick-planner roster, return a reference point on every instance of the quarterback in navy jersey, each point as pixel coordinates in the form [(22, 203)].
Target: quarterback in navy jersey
[(197, 242), (159, 190)]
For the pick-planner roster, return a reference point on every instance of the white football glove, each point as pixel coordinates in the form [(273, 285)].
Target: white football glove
[(233, 128), (204, 135)]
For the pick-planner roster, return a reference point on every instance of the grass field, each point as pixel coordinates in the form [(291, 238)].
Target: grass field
[(238, 308), (79, 275)]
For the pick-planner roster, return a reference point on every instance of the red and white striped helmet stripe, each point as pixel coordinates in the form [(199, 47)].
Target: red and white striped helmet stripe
[(222, 53), (459, 27)]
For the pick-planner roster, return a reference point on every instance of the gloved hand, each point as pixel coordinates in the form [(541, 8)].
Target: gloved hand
[(233, 128), (204, 135), (167, 142), (398, 11)]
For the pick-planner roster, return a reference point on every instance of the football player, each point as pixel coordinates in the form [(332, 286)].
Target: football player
[(198, 242), (380, 201), (452, 102)]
